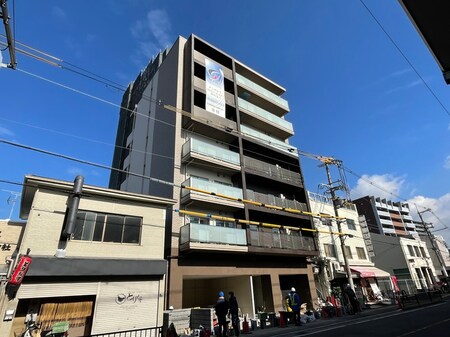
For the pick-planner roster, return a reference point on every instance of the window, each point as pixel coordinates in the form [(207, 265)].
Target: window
[(423, 252), (329, 250), (102, 227), (351, 224), (361, 253), (228, 224), (348, 252), (197, 220), (410, 249), (416, 249)]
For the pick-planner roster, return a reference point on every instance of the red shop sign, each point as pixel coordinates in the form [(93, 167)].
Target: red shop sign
[(21, 270)]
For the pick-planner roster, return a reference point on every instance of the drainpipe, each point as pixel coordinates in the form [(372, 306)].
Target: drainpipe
[(73, 202), (72, 205)]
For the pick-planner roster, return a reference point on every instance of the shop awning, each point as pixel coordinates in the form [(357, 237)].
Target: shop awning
[(370, 272)]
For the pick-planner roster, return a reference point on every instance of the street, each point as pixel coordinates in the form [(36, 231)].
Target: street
[(433, 320)]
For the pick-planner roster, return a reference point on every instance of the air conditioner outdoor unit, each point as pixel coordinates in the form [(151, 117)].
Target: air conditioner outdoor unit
[(336, 266)]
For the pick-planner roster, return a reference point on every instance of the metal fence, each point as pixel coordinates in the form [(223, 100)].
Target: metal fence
[(147, 332)]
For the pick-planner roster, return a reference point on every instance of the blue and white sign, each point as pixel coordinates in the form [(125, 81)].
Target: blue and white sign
[(215, 89)]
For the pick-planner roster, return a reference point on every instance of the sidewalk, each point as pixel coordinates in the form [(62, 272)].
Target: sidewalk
[(321, 323)]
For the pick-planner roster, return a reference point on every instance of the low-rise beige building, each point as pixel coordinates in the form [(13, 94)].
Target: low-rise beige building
[(106, 275)]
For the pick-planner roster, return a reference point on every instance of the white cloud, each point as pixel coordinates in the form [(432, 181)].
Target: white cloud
[(384, 186), (75, 171), (439, 215), (152, 34), (447, 162), (406, 86), (58, 12), (6, 132)]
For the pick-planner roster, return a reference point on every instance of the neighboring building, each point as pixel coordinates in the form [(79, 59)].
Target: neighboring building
[(10, 235), (438, 250), (406, 259), (431, 21), (198, 118), (366, 276), (103, 277), (387, 217)]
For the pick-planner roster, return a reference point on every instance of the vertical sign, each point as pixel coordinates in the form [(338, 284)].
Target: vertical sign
[(21, 270), (215, 90)]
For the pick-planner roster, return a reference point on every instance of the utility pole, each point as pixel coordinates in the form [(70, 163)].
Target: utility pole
[(336, 206), (9, 37), (437, 251)]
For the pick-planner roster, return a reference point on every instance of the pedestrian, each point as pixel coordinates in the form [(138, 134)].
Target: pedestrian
[(221, 308), (352, 299), (234, 313), (295, 304)]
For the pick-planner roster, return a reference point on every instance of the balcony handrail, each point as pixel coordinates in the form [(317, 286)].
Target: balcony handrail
[(272, 170), (211, 187), (265, 139), (263, 91), (269, 199), (265, 114), (204, 233), (281, 241), (210, 150)]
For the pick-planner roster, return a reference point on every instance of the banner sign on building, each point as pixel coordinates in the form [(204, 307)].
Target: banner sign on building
[(215, 89), (21, 270)]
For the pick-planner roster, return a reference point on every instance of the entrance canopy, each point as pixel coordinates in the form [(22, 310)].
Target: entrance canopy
[(370, 272)]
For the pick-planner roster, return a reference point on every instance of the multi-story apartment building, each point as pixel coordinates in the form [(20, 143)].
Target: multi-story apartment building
[(412, 265), (366, 276), (211, 133), (105, 275), (387, 217)]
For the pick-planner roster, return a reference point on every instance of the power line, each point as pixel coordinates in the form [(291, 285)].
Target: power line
[(404, 56)]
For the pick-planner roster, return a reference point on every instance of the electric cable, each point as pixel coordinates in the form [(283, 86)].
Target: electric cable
[(404, 56)]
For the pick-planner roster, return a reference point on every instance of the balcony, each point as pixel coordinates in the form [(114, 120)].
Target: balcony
[(383, 213), (267, 140), (386, 222), (245, 82), (207, 200), (295, 244), (203, 151), (273, 171), (269, 199), (407, 217), (205, 237), (264, 120)]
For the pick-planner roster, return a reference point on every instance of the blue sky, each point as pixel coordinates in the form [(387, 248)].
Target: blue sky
[(352, 94)]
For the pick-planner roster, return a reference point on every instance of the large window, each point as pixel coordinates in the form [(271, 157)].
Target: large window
[(348, 252), (411, 250), (351, 224), (416, 249), (361, 253), (330, 251), (102, 227)]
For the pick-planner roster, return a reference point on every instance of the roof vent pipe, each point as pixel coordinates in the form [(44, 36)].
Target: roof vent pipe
[(72, 205)]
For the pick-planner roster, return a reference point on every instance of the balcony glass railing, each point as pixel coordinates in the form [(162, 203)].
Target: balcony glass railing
[(241, 80), (265, 139), (212, 234), (272, 170), (210, 150), (265, 114), (281, 241), (269, 199), (209, 186)]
